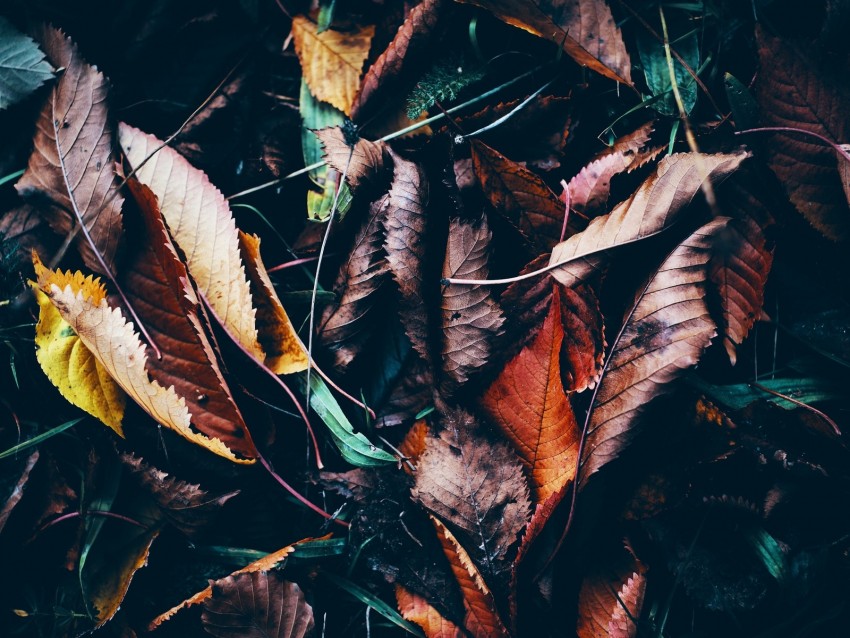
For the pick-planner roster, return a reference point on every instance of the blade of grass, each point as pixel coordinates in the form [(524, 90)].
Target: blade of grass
[(40, 438)]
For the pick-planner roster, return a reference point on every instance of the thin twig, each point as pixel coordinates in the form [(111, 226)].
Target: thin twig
[(811, 408)]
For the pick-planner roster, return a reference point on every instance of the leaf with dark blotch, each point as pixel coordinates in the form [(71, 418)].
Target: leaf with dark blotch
[(22, 65), (664, 335), (72, 167), (412, 393), (740, 264), (478, 489), (522, 195), (471, 319), (257, 605), (409, 47), (793, 92), (481, 618), (360, 163), (185, 505), (345, 326), (611, 598), (528, 403), (584, 28), (157, 283), (415, 608), (651, 209), (406, 222)]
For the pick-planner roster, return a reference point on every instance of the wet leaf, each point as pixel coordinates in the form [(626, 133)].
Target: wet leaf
[(22, 65)]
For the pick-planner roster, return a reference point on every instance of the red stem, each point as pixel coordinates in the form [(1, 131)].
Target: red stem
[(787, 129), (70, 515), (294, 262)]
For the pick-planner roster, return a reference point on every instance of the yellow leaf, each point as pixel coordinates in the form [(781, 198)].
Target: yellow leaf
[(82, 303), (72, 368), (332, 60), (285, 353)]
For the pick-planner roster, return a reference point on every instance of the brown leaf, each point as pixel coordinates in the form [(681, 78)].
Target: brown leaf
[(72, 165), (528, 403), (611, 598), (360, 163), (409, 47), (522, 195), (630, 143), (471, 319), (584, 28), (406, 222), (794, 93), (22, 471), (526, 301), (664, 335), (185, 505), (257, 605), (583, 352), (477, 487), (651, 209), (481, 618), (416, 609), (411, 394), (202, 226), (346, 326), (414, 443), (332, 60), (157, 283)]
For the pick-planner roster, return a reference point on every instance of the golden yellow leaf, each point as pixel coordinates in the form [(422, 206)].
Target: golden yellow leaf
[(81, 301), (72, 368), (285, 353), (332, 60)]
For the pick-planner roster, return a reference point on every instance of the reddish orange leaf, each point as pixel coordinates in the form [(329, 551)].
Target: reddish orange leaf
[(611, 598), (416, 609)]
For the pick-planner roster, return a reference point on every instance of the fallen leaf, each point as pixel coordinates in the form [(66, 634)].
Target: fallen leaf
[(611, 598), (528, 403), (202, 226), (664, 335), (362, 162), (22, 474), (411, 394), (257, 605), (332, 60), (22, 65), (410, 46), (414, 443), (522, 195), (73, 369), (584, 28), (471, 319), (416, 609), (651, 209), (793, 93), (583, 352), (72, 167)]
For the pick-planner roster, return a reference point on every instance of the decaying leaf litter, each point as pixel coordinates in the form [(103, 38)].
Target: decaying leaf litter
[(441, 318)]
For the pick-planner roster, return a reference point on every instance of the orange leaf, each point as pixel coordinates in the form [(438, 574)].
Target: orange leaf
[(416, 609), (528, 403), (611, 598), (332, 60)]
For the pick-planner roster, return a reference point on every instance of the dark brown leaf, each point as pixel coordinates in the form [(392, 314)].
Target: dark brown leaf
[(412, 393), (471, 319), (72, 166), (257, 605), (19, 481), (359, 164)]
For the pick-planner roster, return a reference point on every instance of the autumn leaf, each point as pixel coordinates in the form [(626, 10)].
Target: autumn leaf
[(415, 608), (409, 46), (361, 162), (651, 209), (71, 168), (22, 65), (663, 335), (611, 598), (257, 605), (794, 93), (22, 475), (471, 319), (411, 394), (115, 344), (202, 226), (584, 28), (522, 195), (528, 403), (332, 60)]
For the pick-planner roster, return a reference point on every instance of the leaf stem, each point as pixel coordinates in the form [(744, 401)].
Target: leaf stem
[(788, 129), (70, 515)]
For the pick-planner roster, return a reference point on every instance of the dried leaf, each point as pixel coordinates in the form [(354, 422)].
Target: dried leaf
[(471, 319), (664, 335), (409, 46), (416, 609), (412, 393), (345, 327), (584, 28), (611, 599), (257, 605), (114, 342), (72, 165), (522, 195), (406, 223), (478, 488), (792, 92), (22, 65), (73, 369), (285, 353), (651, 209), (360, 163), (583, 352), (23, 475), (332, 60), (481, 618), (528, 403), (202, 226), (414, 443)]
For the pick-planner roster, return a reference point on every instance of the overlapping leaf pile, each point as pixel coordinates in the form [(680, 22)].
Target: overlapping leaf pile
[(504, 381)]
